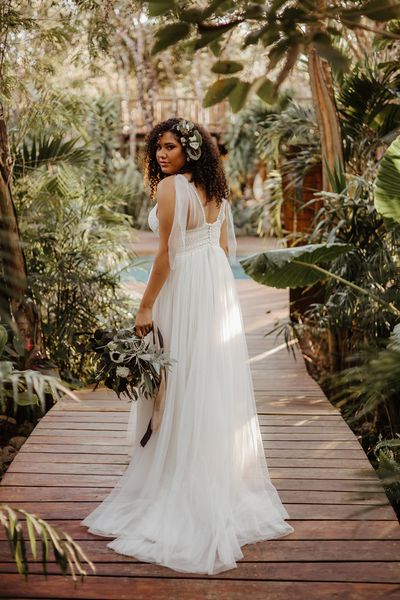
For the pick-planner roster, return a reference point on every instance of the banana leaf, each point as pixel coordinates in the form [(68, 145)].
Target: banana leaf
[(387, 183), (292, 267)]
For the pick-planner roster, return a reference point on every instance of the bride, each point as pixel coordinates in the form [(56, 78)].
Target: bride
[(199, 488)]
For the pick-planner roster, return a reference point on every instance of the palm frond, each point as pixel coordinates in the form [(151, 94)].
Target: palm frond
[(48, 149), (67, 553)]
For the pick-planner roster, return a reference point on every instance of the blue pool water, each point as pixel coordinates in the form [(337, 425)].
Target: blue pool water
[(141, 269)]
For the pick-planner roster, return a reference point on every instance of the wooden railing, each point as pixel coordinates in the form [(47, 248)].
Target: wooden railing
[(214, 118)]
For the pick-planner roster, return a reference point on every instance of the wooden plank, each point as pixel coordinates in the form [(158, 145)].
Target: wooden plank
[(118, 469), (333, 454), (12, 479), (272, 550), (80, 444), (162, 588), (75, 510), (273, 461), (304, 530), (72, 421), (44, 434), (379, 572), (58, 493)]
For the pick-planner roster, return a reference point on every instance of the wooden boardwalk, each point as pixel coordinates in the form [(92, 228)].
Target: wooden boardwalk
[(346, 534)]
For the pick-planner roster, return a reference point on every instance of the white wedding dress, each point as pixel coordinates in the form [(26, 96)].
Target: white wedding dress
[(200, 488)]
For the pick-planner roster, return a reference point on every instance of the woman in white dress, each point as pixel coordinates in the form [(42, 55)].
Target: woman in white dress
[(199, 488)]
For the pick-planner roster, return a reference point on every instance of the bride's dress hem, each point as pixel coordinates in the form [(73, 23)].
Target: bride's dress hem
[(242, 541)]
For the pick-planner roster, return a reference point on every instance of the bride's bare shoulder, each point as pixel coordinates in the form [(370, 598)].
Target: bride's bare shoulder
[(166, 194), (166, 185)]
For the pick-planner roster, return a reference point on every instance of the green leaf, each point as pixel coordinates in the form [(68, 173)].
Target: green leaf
[(215, 47), (214, 6), (381, 10), (211, 33), (159, 7), (6, 368), (387, 183), (238, 95), (18, 345), (3, 338), (170, 35), (278, 51), (31, 534), (292, 267), (226, 67), (219, 90), (266, 91), (45, 150), (394, 340), (268, 34), (24, 399), (191, 15)]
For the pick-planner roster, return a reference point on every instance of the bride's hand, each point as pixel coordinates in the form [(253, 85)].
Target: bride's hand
[(143, 322)]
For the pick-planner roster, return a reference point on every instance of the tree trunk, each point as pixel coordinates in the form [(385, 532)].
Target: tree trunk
[(13, 303), (127, 97), (325, 108), (136, 51), (326, 114)]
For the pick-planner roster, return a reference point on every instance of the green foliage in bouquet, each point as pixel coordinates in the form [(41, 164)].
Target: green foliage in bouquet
[(128, 364)]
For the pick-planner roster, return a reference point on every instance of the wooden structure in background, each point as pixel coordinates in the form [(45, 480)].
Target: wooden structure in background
[(346, 537), (213, 118)]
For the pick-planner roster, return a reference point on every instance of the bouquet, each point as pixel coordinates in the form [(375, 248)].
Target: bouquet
[(128, 364)]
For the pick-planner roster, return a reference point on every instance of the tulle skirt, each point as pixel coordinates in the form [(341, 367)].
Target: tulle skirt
[(200, 488)]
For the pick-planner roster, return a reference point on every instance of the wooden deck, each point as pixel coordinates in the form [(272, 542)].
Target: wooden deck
[(346, 534)]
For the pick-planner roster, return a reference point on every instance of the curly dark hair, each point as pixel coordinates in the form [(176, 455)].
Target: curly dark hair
[(207, 171)]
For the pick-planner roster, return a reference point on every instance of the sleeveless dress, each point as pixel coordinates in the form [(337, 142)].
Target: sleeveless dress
[(200, 488)]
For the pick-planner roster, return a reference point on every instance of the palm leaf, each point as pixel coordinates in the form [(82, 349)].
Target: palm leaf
[(48, 150), (387, 183), (292, 267), (301, 266), (66, 550)]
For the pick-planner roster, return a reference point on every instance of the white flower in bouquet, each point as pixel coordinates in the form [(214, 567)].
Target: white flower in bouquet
[(117, 357), (123, 372)]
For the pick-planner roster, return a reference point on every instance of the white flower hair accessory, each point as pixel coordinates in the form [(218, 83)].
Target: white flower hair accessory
[(190, 138)]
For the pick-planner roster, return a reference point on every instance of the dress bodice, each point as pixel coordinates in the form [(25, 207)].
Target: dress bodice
[(199, 232)]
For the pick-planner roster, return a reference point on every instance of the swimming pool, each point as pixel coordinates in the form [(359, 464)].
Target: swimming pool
[(140, 270)]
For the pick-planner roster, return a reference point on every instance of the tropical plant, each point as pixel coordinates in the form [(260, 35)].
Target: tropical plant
[(284, 29), (242, 140), (301, 266), (67, 553), (368, 101), (47, 149), (24, 377), (77, 237), (388, 457), (293, 125), (362, 241), (387, 185), (370, 382)]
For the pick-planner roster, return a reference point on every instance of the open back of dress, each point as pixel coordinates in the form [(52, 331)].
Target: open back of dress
[(190, 226)]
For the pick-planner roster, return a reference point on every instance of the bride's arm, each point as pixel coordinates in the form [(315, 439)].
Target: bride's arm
[(161, 267)]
